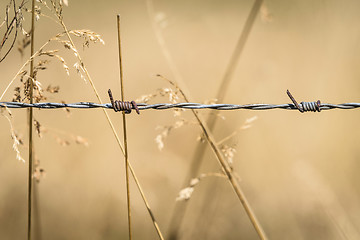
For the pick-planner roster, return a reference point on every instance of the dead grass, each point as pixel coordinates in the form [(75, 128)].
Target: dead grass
[(85, 184)]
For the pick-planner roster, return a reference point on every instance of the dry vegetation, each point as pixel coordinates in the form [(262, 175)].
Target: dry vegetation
[(205, 174)]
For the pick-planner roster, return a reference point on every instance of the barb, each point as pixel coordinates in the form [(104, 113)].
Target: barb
[(305, 106), (118, 105), (163, 106)]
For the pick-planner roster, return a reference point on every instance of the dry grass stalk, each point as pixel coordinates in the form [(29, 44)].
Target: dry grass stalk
[(225, 166), (178, 213), (30, 119), (89, 36), (125, 132), (231, 67), (229, 72), (154, 19), (88, 77)]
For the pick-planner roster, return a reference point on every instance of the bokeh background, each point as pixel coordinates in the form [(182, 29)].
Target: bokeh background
[(298, 171)]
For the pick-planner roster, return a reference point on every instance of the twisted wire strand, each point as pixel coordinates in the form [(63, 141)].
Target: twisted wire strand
[(307, 106)]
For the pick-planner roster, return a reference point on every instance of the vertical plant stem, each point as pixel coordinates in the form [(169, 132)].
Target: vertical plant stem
[(236, 54), (156, 225), (115, 133), (180, 207), (165, 51), (36, 212), (30, 118), (124, 129), (211, 121), (88, 77)]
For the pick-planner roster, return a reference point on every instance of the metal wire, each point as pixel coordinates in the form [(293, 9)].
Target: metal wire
[(307, 106), (118, 105)]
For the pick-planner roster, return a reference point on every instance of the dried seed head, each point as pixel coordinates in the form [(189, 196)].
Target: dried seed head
[(81, 140), (67, 110), (65, 2), (80, 70), (38, 173), (88, 36), (51, 89), (17, 95), (166, 130), (23, 43), (265, 14), (161, 19), (229, 153), (194, 181), (37, 126), (159, 141), (185, 194), (17, 141), (248, 122), (61, 141), (146, 98)]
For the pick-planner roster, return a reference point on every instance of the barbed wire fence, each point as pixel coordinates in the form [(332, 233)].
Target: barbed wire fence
[(315, 106), (163, 106), (128, 106)]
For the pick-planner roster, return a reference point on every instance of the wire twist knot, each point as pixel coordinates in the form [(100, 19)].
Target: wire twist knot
[(125, 106), (310, 106), (305, 106)]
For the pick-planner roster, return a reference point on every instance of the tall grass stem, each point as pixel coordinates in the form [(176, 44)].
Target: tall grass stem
[(30, 118), (220, 96), (180, 208), (115, 133), (124, 129)]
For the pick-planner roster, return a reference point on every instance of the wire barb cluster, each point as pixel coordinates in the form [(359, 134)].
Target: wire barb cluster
[(305, 106), (118, 105)]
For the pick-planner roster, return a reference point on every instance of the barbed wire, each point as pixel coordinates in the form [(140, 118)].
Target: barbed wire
[(307, 106)]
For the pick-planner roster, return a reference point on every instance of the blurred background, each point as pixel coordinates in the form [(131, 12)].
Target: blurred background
[(299, 172)]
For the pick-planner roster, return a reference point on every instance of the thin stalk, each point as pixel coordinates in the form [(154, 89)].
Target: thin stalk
[(93, 87), (127, 164), (30, 112), (180, 207), (211, 121), (36, 206), (165, 51), (115, 134), (124, 129), (156, 225), (235, 57), (226, 168)]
